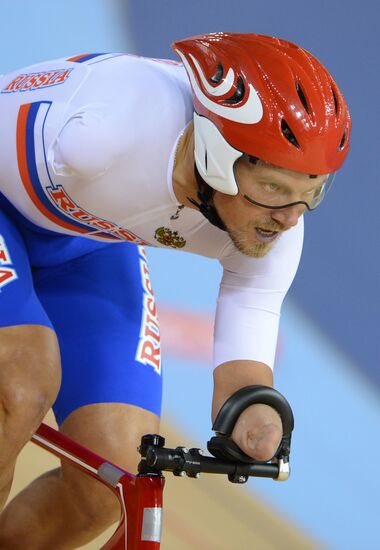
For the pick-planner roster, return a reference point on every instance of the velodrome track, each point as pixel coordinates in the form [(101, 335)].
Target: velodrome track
[(205, 514)]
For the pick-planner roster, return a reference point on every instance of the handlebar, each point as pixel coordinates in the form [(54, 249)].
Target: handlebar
[(227, 457)]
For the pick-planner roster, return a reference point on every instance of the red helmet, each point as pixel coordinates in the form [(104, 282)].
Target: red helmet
[(264, 97)]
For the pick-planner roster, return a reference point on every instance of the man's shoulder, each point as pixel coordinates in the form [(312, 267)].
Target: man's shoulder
[(111, 67)]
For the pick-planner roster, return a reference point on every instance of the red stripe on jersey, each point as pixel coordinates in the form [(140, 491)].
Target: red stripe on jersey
[(76, 57)]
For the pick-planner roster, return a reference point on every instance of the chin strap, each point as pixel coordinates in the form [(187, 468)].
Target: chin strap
[(205, 205)]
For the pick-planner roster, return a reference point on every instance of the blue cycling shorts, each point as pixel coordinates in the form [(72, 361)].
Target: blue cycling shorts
[(98, 299)]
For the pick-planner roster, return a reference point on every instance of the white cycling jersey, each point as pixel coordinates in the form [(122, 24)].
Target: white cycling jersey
[(88, 149)]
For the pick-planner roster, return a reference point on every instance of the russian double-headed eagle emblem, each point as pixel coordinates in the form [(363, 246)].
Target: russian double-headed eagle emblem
[(167, 237)]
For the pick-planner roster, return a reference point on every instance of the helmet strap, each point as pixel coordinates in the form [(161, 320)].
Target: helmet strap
[(205, 205)]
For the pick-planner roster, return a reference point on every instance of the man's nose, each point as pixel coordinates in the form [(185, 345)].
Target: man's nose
[(288, 217)]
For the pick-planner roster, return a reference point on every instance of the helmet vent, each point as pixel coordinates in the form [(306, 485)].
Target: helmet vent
[(218, 75), (288, 134), (302, 97), (239, 93), (335, 100), (343, 140)]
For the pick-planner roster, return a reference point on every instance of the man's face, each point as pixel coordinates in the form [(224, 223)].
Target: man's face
[(253, 229)]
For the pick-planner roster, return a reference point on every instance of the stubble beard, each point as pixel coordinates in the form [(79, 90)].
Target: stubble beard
[(255, 249)]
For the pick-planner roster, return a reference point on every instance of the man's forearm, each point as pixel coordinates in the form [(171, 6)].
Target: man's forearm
[(233, 375), (258, 430)]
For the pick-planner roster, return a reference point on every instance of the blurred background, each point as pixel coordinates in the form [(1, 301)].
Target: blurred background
[(328, 355)]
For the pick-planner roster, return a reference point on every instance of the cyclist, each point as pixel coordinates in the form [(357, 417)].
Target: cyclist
[(102, 154)]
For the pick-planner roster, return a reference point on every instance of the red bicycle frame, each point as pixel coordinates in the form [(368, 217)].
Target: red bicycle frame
[(140, 497)]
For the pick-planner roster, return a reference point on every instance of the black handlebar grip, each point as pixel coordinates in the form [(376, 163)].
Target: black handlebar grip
[(251, 395)]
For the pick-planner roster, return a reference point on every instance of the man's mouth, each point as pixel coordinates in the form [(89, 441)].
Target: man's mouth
[(266, 236)]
